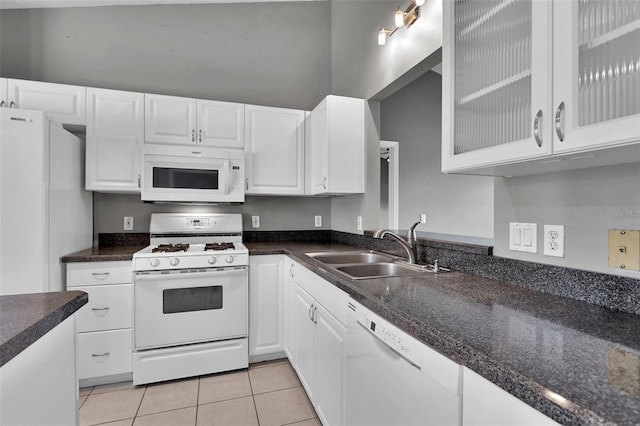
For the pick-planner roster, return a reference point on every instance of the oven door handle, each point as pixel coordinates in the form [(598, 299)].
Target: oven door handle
[(218, 272)]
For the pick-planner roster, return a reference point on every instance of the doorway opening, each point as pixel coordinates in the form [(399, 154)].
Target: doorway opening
[(389, 171)]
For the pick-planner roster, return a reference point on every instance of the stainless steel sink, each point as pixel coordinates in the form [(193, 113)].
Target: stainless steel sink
[(363, 264), (377, 270), (348, 257)]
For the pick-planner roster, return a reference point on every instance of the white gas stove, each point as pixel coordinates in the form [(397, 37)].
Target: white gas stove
[(191, 297), (188, 241)]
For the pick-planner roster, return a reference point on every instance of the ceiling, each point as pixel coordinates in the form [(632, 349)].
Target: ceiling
[(27, 4)]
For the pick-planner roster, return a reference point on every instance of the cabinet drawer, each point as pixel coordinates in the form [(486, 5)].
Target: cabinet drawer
[(99, 273), (110, 307), (104, 353), (328, 295)]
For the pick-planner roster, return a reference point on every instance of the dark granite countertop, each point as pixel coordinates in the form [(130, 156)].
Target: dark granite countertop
[(24, 318), (576, 362), (102, 254)]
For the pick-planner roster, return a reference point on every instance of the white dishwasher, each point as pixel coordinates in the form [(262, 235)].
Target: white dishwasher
[(393, 379)]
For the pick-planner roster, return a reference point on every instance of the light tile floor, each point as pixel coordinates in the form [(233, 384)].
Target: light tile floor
[(265, 394)]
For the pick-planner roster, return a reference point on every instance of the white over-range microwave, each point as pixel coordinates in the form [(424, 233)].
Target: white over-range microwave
[(197, 174)]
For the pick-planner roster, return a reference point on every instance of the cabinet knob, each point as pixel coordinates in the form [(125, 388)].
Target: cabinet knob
[(536, 128), (560, 121)]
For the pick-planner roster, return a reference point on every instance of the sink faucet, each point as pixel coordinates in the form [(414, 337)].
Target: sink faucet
[(410, 246)]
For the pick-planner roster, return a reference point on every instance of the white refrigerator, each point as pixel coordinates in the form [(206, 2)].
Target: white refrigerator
[(45, 212)]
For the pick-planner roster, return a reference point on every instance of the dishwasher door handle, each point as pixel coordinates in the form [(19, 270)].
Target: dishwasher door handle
[(389, 346)]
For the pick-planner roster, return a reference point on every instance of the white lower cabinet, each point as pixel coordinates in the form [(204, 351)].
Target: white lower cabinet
[(289, 314), (105, 324), (486, 404), (320, 346), (266, 310), (39, 386)]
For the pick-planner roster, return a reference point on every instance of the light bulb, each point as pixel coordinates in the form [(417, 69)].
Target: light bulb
[(382, 37), (399, 18), (420, 2)]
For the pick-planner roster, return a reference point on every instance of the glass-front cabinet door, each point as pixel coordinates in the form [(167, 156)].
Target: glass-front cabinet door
[(596, 74), (496, 82)]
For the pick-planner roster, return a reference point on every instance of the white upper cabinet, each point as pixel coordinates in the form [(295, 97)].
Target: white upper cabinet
[(62, 102), (3, 92), (169, 119), (537, 86), (496, 82), (596, 67), (220, 124), (335, 147), (115, 137), (177, 120), (274, 150)]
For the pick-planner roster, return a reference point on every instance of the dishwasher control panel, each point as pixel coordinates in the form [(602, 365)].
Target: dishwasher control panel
[(399, 341)]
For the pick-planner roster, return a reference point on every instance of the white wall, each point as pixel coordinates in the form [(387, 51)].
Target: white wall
[(587, 202), (454, 204)]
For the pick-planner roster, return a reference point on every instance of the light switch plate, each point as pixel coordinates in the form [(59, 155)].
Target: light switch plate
[(624, 249), (255, 221), (523, 237), (318, 221), (359, 223)]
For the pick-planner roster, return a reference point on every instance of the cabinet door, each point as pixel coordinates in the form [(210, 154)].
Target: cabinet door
[(3, 92), (486, 404), (274, 150), (596, 66), (62, 102), (304, 338), (330, 363), (317, 159), (265, 305), (115, 137), (221, 124), (169, 119), (496, 82)]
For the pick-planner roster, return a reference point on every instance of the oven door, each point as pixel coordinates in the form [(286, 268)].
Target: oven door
[(181, 307)]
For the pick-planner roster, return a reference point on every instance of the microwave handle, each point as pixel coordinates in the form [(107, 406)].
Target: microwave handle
[(227, 174)]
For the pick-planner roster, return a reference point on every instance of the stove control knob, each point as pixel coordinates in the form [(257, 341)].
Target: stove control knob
[(229, 259), (174, 261), (213, 260), (155, 263)]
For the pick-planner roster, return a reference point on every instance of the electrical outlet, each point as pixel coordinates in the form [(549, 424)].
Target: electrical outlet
[(523, 237), (359, 223), (423, 218), (255, 221), (318, 221), (128, 223), (554, 240)]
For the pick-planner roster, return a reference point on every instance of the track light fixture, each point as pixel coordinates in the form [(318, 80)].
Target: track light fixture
[(402, 18)]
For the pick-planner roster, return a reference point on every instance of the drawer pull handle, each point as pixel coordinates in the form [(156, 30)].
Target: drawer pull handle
[(100, 354), (106, 308), (100, 275)]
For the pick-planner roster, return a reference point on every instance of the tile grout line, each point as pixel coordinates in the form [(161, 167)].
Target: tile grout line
[(253, 398), (198, 401), (139, 404)]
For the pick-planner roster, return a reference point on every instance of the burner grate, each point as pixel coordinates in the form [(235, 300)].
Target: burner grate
[(170, 248), (219, 246)]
